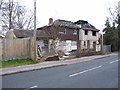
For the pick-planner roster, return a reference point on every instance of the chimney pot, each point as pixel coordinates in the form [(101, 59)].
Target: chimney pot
[(50, 20)]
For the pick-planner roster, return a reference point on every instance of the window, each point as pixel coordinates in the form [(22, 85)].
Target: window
[(62, 31), (86, 32), (74, 32), (93, 33), (84, 43)]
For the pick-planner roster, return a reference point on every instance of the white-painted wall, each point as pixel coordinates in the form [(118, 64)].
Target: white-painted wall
[(89, 37), (84, 37)]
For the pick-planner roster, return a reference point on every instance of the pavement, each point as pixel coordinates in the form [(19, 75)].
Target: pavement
[(97, 73), (48, 64)]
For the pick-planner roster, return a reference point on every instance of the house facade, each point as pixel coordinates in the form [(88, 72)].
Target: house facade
[(68, 39), (69, 33), (89, 36)]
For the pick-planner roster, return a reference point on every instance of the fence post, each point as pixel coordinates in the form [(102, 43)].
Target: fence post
[(88, 47)]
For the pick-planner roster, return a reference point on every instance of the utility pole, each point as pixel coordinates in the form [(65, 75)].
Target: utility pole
[(10, 14), (35, 51)]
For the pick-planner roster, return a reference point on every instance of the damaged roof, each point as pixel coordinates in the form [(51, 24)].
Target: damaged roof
[(75, 25), (29, 33), (85, 25), (65, 23), (62, 23)]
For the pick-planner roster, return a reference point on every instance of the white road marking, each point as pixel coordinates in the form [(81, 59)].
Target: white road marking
[(31, 87), (84, 71), (114, 61)]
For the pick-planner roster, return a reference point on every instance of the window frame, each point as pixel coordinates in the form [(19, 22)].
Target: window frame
[(94, 33), (62, 31), (86, 32), (75, 32)]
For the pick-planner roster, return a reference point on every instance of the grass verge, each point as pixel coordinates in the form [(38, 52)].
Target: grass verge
[(17, 62)]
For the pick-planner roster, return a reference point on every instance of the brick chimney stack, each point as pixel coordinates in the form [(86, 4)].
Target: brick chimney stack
[(50, 21)]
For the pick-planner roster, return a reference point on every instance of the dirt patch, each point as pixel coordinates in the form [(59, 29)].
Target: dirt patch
[(69, 58), (54, 58)]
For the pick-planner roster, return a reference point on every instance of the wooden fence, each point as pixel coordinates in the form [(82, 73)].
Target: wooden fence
[(14, 48)]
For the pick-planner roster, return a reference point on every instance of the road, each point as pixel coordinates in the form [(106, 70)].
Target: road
[(99, 73)]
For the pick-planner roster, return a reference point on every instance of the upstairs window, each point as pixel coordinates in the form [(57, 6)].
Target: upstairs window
[(86, 32), (62, 31), (94, 33), (74, 32)]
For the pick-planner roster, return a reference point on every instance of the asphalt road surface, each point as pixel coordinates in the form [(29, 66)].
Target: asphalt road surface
[(99, 73)]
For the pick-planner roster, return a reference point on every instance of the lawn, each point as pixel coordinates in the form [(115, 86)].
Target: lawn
[(17, 62)]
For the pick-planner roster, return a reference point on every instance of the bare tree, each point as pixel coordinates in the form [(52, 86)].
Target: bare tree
[(53, 32), (23, 20), (1, 2), (15, 15), (113, 15)]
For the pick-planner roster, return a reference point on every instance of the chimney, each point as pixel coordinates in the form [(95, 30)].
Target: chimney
[(50, 21)]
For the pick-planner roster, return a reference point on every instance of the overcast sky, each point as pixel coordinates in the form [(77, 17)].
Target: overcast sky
[(93, 11)]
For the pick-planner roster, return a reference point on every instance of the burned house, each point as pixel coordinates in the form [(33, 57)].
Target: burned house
[(89, 36), (69, 33)]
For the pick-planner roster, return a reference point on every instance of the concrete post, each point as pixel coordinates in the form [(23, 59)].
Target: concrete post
[(88, 46), (79, 48), (94, 46)]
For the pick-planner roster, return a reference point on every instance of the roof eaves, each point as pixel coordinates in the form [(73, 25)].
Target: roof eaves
[(91, 29)]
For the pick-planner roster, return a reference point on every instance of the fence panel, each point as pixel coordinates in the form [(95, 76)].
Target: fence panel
[(107, 48), (14, 48)]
